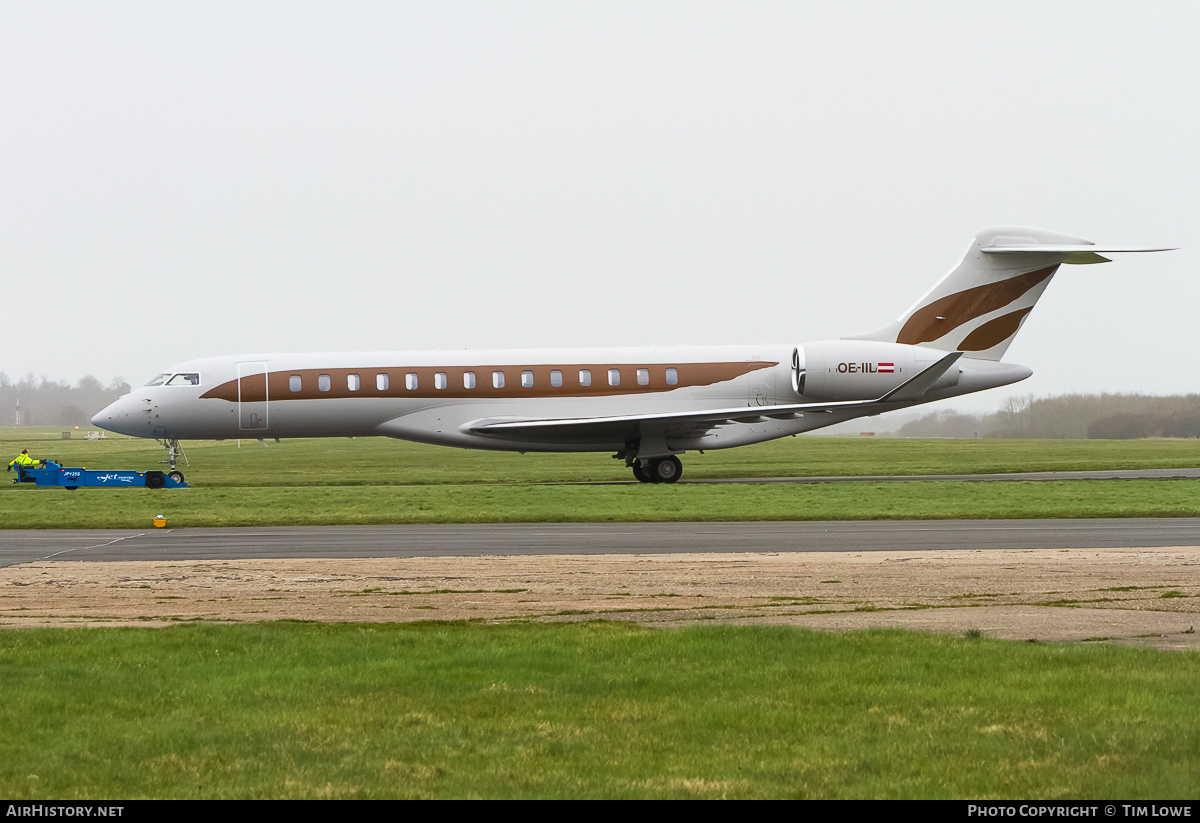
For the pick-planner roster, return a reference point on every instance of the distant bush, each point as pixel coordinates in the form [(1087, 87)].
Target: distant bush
[(47, 403), (945, 423), (1130, 425), (1069, 416)]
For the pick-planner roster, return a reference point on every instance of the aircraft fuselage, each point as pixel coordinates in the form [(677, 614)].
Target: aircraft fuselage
[(446, 397), (648, 405)]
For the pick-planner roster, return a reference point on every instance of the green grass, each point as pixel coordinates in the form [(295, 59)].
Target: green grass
[(248, 506), (587, 710), (294, 710), (381, 481), (383, 461)]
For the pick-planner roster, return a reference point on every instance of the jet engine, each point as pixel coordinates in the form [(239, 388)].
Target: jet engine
[(862, 369)]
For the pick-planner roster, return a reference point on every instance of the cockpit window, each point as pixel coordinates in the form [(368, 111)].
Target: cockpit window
[(188, 379), (158, 381)]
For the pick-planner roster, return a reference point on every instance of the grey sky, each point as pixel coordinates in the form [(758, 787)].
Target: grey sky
[(190, 179)]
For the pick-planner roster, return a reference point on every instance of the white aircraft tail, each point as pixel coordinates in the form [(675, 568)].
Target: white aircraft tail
[(979, 307)]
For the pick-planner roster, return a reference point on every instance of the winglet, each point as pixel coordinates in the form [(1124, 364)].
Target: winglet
[(916, 387)]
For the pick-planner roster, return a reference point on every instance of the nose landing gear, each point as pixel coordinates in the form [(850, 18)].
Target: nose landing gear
[(174, 451)]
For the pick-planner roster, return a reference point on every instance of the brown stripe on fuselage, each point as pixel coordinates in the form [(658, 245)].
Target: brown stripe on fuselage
[(994, 331), (962, 307), (690, 374)]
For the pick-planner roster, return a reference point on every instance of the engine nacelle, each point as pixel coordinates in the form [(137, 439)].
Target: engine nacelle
[(863, 369)]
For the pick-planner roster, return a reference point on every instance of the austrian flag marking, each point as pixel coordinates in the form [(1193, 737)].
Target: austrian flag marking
[(866, 368)]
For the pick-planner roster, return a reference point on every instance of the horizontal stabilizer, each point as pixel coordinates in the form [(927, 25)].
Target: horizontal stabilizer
[(1075, 254)]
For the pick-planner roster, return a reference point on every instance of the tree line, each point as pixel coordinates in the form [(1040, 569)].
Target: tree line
[(45, 402), (1078, 416)]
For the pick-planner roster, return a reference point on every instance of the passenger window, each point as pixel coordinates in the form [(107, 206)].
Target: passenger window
[(672, 377), (614, 377), (323, 382), (555, 378), (294, 382), (585, 377), (643, 377), (381, 381), (468, 380), (352, 382), (439, 380), (410, 381), (527, 379), (497, 380)]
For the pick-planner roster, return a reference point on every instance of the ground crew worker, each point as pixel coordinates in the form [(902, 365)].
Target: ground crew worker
[(23, 459)]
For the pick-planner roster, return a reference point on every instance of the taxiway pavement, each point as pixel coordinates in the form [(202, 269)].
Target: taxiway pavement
[(484, 540)]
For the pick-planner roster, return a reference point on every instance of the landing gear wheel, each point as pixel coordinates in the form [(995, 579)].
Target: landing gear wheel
[(176, 476), (639, 471), (666, 469)]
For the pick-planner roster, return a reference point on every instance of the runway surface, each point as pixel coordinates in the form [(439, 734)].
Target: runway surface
[(590, 539)]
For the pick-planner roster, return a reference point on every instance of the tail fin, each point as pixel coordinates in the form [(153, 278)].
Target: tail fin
[(979, 307)]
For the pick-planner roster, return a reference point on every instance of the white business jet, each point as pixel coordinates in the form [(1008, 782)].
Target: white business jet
[(648, 405)]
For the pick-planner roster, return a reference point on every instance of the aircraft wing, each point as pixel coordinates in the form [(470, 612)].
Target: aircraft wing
[(650, 431), (620, 427), (683, 424)]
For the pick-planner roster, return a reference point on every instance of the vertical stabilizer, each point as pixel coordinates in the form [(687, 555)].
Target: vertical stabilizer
[(979, 307)]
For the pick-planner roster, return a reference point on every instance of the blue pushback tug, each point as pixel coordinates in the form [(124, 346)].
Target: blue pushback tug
[(52, 474)]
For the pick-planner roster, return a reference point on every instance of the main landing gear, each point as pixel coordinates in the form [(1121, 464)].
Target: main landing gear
[(658, 470)]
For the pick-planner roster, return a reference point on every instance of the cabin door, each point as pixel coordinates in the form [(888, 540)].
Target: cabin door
[(252, 396)]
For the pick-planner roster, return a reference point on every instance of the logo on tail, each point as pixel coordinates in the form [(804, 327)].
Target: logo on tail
[(979, 307)]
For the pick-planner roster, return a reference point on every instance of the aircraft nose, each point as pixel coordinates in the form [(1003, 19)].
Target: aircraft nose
[(103, 418), (115, 417)]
